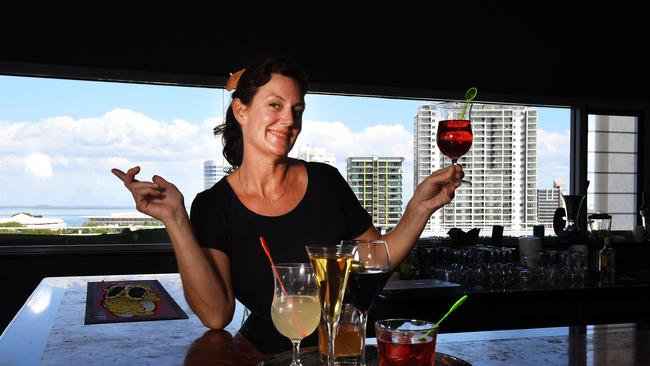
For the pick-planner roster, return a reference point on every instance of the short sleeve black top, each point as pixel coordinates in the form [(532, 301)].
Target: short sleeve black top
[(328, 212)]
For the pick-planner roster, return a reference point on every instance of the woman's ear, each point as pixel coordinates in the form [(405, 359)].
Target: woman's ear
[(239, 110)]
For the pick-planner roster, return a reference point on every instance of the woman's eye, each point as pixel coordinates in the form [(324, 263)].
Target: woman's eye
[(274, 105)]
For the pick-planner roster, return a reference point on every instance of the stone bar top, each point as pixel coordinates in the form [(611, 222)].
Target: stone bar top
[(50, 330)]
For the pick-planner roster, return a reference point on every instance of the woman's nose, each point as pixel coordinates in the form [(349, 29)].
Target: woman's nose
[(287, 117)]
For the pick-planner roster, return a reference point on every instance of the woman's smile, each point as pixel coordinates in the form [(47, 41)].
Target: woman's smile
[(279, 134)]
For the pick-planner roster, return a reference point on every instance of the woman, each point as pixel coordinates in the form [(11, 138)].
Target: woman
[(289, 202)]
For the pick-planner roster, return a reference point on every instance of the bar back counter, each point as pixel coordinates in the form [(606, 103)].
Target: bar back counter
[(506, 295)]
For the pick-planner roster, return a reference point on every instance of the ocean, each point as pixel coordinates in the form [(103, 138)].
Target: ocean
[(72, 216)]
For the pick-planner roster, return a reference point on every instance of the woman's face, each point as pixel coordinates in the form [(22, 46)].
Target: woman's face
[(272, 121)]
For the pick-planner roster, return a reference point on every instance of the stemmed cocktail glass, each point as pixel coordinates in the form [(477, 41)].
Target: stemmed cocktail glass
[(371, 269), (295, 310), (332, 266), (454, 136)]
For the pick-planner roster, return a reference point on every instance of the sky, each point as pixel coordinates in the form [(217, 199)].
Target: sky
[(60, 138)]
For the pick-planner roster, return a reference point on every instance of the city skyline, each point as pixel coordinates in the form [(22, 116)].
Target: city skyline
[(64, 136)]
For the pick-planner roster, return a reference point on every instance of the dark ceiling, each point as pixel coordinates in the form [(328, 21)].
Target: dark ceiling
[(597, 52)]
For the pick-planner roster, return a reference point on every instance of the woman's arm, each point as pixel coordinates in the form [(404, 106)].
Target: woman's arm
[(433, 193), (205, 273)]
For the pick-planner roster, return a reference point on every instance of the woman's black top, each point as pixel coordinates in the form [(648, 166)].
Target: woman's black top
[(328, 212)]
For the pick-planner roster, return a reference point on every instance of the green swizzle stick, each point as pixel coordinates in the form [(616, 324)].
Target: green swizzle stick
[(469, 96), (454, 307)]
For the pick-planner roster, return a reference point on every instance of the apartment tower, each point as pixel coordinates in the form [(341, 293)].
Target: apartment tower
[(213, 172), (549, 200), (377, 183), (308, 153)]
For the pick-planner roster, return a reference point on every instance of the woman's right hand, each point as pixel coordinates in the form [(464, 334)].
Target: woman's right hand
[(159, 198), (205, 272)]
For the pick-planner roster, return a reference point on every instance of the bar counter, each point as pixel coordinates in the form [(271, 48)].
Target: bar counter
[(49, 330)]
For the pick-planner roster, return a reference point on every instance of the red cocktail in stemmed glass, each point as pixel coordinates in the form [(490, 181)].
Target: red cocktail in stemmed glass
[(454, 136)]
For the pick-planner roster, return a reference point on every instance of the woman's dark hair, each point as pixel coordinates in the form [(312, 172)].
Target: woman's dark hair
[(254, 77)]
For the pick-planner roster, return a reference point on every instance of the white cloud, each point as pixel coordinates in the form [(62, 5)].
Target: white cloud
[(210, 123), (81, 152), (552, 142), (118, 132), (39, 165), (552, 157), (336, 138), (8, 132)]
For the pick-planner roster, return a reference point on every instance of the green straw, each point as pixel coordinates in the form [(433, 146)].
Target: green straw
[(454, 307), (469, 96)]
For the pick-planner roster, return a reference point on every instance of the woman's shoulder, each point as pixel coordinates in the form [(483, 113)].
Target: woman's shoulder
[(323, 176), (219, 191), (316, 167)]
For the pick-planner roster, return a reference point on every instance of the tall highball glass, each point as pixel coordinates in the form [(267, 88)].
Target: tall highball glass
[(331, 265)]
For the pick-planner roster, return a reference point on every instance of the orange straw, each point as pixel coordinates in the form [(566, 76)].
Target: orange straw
[(275, 270)]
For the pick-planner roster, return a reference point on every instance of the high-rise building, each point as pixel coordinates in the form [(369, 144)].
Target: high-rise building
[(549, 200), (501, 166), (213, 172), (308, 153), (377, 183)]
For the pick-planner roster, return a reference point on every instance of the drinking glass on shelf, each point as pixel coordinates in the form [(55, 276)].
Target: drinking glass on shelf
[(332, 266), (454, 135), (525, 277), (295, 310), (370, 270)]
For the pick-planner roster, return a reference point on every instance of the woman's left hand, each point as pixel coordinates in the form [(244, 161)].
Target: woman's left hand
[(438, 189), (434, 192)]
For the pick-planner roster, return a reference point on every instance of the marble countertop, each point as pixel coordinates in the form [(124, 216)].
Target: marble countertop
[(616, 344), (50, 330)]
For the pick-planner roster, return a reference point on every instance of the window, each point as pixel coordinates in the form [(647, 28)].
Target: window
[(60, 138), (612, 168)]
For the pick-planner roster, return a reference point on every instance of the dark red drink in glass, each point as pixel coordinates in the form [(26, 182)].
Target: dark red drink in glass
[(406, 342), (454, 138), (412, 354)]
